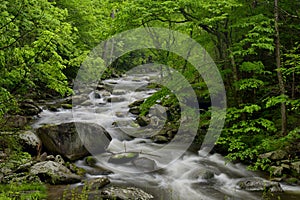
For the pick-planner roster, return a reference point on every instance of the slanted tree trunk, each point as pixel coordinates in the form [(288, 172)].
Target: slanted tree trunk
[(279, 73)]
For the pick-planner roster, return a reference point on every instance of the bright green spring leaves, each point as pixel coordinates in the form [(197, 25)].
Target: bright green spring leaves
[(36, 45)]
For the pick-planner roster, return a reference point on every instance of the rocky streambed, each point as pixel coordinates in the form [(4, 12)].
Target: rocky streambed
[(95, 146)]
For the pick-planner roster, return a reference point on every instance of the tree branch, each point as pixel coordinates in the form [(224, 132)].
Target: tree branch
[(190, 17)]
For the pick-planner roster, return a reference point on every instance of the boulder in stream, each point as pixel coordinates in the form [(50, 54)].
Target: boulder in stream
[(258, 184), (134, 110), (136, 103), (125, 193), (66, 139), (54, 173), (144, 163), (95, 184), (121, 158)]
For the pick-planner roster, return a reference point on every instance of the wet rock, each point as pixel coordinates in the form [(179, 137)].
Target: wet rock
[(135, 110), (142, 120), (78, 99), (25, 167), (257, 184), (74, 169), (201, 173), (66, 106), (64, 139), (30, 142), (137, 79), (90, 161), (160, 139), (50, 158), (53, 108), (115, 99), (98, 170), (105, 93), (100, 87), (97, 183), (54, 173), (277, 179), (120, 114), (109, 86), (119, 92), (122, 158), (125, 193), (207, 175), (97, 95), (136, 103), (145, 164), (158, 110), (86, 103), (156, 121)]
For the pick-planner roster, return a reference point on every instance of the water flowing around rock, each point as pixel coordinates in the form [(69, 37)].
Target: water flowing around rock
[(131, 153)]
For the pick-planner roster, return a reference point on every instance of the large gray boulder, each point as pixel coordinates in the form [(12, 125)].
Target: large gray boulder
[(30, 142), (74, 140), (54, 173), (145, 164)]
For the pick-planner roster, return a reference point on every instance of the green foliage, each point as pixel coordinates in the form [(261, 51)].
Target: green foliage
[(154, 99), (22, 191), (272, 101), (259, 35), (36, 46), (245, 135)]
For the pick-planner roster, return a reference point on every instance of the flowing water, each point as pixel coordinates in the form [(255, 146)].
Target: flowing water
[(184, 178)]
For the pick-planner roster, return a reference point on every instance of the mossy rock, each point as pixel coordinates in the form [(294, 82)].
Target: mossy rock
[(123, 158), (90, 161), (66, 106)]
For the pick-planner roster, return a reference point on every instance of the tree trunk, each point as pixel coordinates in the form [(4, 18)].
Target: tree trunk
[(279, 74)]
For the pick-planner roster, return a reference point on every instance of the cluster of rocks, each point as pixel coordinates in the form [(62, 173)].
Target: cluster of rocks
[(48, 169), (63, 145), (28, 110), (258, 184), (282, 167), (156, 119)]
